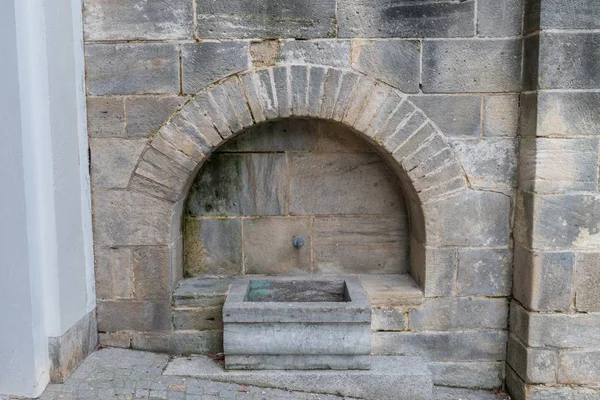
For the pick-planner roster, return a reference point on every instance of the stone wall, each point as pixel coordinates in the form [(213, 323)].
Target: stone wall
[(295, 178), (436, 87)]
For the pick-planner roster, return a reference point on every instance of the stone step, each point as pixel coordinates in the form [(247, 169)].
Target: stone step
[(390, 378)]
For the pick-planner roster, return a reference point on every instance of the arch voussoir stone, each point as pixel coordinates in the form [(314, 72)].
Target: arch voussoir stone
[(372, 108)]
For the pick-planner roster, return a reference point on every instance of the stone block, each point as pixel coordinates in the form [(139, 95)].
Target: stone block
[(392, 291), (134, 20), (350, 245), (568, 114), (484, 272), (316, 179), (149, 68), (562, 221), (447, 314), (315, 90), (124, 218), (471, 65), (179, 342), (456, 115), (558, 164), (114, 273), (268, 248), (579, 367), (299, 85), (186, 150), (483, 218), (201, 292), (389, 319), (206, 62), (336, 138), (264, 53), (475, 374), (123, 315), (587, 282), (257, 19), (577, 14), (334, 53), (499, 18), (346, 89), (284, 135), (543, 281), (442, 346), (500, 115), (113, 161), (534, 365), (249, 184), (489, 162), (434, 269), (151, 265), (105, 116), (145, 114), (157, 167), (120, 339), (404, 18), (212, 246), (198, 319), (396, 62), (569, 61)]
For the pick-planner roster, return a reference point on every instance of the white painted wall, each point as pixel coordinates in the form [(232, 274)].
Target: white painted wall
[(46, 260)]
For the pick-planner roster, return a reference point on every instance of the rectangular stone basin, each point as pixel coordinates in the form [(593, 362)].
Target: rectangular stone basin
[(297, 323)]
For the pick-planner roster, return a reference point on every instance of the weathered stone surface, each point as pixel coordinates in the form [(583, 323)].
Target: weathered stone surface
[(120, 339), (577, 14), (561, 64), (559, 164), (198, 319), (336, 138), (202, 292), (105, 116), (543, 280), (268, 246), (477, 374), (484, 272), (499, 18), (249, 184), (404, 18), (587, 282), (488, 162), (395, 62), (447, 314), (284, 135), (455, 115), (579, 366), (388, 319), (122, 315), (145, 114), (212, 246), (132, 68), (264, 53), (442, 346), (113, 161), (206, 62), (182, 342), (471, 66), (568, 114), (113, 273), (392, 290), (159, 168), (500, 115), (547, 215), (257, 19), (186, 150), (533, 365), (151, 266), (128, 218), (317, 178), (483, 218), (349, 245), (335, 53), (555, 330), (315, 90), (434, 269), (131, 20)]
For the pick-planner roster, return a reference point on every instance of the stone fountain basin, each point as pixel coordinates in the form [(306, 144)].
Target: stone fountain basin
[(297, 323)]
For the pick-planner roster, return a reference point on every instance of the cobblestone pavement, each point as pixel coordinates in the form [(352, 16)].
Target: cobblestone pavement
[(128, 374)]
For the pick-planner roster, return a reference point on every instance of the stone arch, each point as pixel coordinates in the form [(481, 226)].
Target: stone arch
[(402, 133)]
